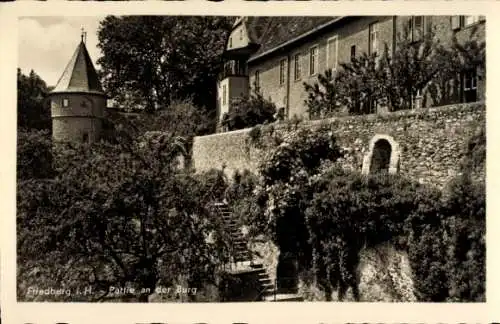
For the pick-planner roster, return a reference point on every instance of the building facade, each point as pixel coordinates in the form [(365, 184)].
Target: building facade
[(78, 102), (276, 55)]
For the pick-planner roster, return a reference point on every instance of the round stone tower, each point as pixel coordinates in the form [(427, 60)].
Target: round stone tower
[(78, 102)]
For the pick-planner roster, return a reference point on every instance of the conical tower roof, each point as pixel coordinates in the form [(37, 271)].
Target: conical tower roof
[(80, 74)]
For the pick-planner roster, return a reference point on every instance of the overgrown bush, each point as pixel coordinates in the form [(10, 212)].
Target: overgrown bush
[(450, 259), (249, 111), (243, 202), (295, 156), (213, 184), (324, 218), (444, 237), (119, 215), (349, 212)]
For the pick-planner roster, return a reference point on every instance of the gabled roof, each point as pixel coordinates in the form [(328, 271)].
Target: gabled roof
[(279, 31), (80, 74)]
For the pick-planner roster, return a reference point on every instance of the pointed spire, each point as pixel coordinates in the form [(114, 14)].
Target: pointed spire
[(80, 74)]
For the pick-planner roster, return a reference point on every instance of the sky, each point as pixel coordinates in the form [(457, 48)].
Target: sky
[(46, 44)]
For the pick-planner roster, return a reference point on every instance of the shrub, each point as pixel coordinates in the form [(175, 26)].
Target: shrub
[(244, 203), (249, 111), (349, 211), (213, 184), (294, 156), (449, 259)]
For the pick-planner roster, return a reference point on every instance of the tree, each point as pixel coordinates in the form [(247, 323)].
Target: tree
[(360, 83), (34, 155), (322, 96), (33, 110), (156, 59), (118, 215), (411, 67)]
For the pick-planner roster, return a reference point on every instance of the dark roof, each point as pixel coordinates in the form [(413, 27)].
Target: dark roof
[(80, 74), (280, 30), (256, 27)]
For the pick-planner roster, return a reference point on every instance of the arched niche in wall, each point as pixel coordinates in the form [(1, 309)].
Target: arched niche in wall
[(383, 155)]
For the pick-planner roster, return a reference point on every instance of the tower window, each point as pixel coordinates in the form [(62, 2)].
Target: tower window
[(65, 102), (224, 94), (353, 52), (85, 137)]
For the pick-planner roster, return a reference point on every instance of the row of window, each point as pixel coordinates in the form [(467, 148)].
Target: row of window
[(418, 27), (65, 103)]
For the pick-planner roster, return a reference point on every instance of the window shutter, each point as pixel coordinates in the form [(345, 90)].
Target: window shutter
[(455, 22)]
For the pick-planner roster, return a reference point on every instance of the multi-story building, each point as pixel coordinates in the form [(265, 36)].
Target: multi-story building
[(276, 55)]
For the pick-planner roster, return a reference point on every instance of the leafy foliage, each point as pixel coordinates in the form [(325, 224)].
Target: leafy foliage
[(152, 60), (118, 215), (295, 155), (324, 216), (244, 203), (249, 111), (33, 110), (348, 212), (34, 154), (322, 96)]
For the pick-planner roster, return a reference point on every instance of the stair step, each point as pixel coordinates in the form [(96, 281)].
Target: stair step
[(265, 293), (217, 204), (236, 259), (243, 256), (269, 287), (284, 297)]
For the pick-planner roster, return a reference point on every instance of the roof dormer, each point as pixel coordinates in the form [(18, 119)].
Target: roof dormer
[(242, 41)]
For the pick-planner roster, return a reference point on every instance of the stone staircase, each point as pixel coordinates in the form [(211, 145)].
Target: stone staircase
[(244, 262)]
